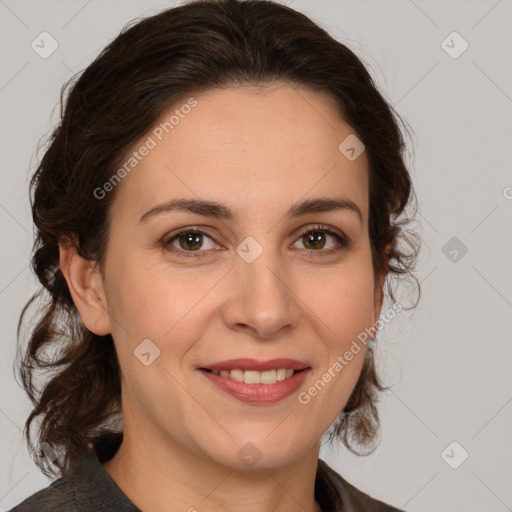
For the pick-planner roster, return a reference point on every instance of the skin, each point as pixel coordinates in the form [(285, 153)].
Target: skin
[(256, 150)]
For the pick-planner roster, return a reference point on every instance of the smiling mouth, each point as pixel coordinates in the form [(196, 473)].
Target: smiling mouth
[(265, 387), (254, 376)]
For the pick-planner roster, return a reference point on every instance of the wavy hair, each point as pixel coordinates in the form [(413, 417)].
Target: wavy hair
[(71, 375)]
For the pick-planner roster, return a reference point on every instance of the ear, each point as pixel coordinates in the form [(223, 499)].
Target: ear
[(86, 287), (378, 297), (379, 293)]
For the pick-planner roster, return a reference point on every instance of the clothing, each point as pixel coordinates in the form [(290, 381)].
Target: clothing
[(89, 488)]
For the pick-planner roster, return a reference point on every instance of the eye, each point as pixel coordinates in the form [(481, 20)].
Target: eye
[(316, 239), (188, 242)]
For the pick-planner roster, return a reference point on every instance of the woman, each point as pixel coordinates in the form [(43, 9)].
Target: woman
[(217, 213)]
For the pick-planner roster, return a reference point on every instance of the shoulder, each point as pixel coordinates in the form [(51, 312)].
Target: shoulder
[(353, 499), (58, 496), (87, 488)]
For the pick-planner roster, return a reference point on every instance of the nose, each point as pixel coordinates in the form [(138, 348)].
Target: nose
[(263, 303)]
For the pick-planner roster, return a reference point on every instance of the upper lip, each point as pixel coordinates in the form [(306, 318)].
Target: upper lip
[(255, 365)]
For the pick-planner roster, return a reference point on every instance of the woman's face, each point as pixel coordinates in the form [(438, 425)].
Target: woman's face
[(264, 283)]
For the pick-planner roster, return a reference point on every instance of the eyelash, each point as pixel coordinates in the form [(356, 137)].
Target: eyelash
[(343, 241)]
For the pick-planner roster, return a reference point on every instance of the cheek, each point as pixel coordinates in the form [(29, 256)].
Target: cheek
[(344, 302), (345, 308), (153, 302)]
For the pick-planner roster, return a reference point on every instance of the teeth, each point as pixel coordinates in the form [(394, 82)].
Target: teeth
[(237, 375), (281, 374), (269, 377), (255, 377), (252, 377)]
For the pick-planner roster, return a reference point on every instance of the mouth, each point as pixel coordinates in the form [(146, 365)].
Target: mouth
[(257, 382)]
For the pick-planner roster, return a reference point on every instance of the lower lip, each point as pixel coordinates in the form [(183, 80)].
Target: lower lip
[(258, 393)]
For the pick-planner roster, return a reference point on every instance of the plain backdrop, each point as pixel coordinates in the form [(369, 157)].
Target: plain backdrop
[(449, 362)]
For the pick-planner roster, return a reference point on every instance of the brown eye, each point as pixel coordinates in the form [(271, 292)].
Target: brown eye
[(314, 240), (190, 241), (324, 241)]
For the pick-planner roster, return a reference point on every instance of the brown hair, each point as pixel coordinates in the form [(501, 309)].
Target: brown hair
[(152, 65)]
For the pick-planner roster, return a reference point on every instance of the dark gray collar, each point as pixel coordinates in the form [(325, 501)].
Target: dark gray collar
[(89, 488)]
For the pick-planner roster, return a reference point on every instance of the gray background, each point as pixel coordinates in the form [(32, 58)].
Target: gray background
[(449, 361)]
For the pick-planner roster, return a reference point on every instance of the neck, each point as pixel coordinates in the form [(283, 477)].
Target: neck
[(160, 476)]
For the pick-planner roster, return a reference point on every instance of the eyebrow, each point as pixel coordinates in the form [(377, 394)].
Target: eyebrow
[(220, 211)]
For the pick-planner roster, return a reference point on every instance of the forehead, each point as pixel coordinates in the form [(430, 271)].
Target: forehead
[(246, 145)]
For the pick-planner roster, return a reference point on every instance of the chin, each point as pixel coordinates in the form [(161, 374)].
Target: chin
[(264, 452)]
